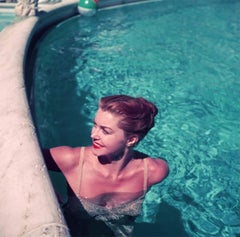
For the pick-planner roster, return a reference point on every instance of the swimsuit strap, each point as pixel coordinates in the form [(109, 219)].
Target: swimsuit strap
[(81, 159), (145, 184)]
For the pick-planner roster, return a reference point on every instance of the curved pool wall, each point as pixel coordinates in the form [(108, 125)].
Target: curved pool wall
[(28, 203)]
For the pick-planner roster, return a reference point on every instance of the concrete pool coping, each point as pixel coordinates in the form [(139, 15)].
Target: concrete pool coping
[(29, 205)]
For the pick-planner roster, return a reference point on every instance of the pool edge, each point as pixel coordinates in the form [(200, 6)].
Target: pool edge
[(26, 190)]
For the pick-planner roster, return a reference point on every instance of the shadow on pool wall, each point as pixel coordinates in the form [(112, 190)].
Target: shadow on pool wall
[(168, 224)]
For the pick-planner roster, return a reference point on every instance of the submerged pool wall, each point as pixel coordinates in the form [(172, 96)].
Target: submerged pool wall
[(28, 203)]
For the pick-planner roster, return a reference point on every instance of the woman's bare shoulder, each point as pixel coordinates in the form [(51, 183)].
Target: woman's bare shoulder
[(66, 157), (158, 170)]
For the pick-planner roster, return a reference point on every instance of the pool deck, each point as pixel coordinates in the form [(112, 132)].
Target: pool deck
[(7, 7)]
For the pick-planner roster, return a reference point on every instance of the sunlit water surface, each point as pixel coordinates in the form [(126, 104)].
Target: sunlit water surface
[(183, 57)]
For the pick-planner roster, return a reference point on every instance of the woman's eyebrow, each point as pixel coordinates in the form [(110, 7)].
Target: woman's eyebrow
[(102, 127), (105, 127)]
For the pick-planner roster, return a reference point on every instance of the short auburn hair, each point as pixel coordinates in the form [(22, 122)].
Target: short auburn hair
[(137, 113)]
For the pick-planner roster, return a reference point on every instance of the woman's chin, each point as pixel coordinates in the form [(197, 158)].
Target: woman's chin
[(97, 151)]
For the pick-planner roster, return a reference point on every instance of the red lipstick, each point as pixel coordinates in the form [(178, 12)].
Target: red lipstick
[(96, 146)]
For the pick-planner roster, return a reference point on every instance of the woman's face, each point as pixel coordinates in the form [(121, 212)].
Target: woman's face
[(108, 139)]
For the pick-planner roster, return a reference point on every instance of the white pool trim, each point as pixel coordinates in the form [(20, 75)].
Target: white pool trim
[(28, 203)]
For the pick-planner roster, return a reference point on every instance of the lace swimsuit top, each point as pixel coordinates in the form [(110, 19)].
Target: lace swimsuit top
[(117, 221)]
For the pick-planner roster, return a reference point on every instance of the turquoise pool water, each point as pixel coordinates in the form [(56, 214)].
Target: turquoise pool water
[(6, 18), (185, 58)]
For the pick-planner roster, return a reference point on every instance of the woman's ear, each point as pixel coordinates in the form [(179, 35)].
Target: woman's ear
[(132, 140)]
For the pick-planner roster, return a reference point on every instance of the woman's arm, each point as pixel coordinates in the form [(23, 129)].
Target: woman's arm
[(61, 158), (49, 161), (158, 170)]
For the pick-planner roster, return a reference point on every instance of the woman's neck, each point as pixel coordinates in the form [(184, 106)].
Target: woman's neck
[(115, 164)]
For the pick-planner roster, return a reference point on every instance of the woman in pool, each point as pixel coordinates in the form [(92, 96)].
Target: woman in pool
[(108, 180)]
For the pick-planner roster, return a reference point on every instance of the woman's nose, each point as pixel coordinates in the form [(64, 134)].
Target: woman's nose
[(95, 133)]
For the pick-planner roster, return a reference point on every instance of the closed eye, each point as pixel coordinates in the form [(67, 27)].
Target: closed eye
[(105, 130)]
